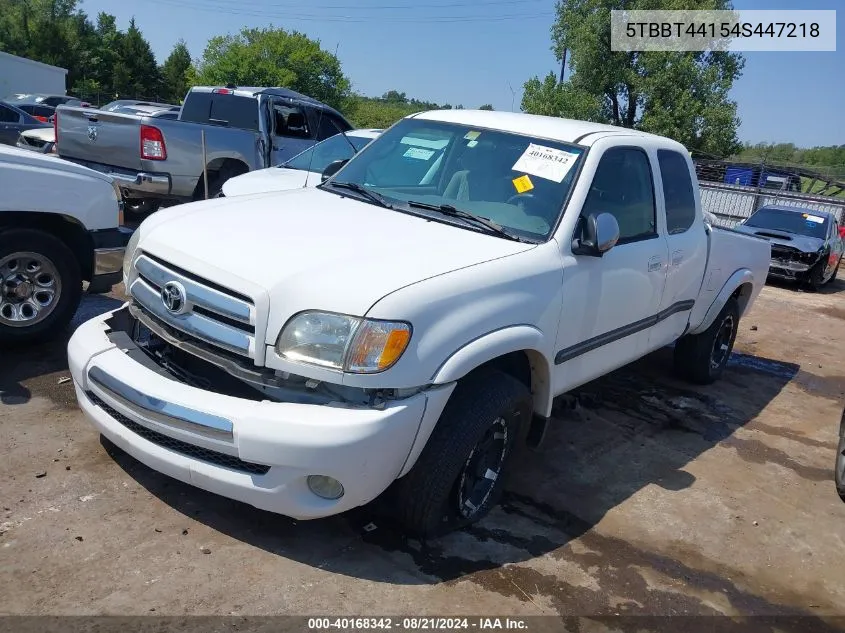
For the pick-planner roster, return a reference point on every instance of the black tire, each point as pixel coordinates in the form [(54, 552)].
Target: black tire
[(217, 179), (839, 467), (815, 279), (835, 271), (63, 261), (697, 358), (484, 405)]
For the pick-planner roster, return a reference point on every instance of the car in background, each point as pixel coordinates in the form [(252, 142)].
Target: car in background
[(302, 170), (807, 244), (40, 139), (43, 106), (114, 106), (13, 121)]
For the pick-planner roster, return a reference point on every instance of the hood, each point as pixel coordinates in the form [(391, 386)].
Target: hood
[(46, 134), (803, 243), (269, 179), (14, 155), (312, 250)]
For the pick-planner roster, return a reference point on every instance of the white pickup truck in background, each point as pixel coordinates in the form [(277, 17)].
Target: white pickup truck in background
[(60, 225), (403, 327)]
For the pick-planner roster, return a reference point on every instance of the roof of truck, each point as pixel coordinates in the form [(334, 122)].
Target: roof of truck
[(251, 91), (557, 128)]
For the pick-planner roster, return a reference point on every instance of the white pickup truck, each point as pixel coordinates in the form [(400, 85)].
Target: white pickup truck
[(60, 225), (404, 327)]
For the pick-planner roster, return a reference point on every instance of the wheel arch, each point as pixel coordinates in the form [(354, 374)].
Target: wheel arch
[(216, 166), (64, 227), (740, 285), (515, 351)]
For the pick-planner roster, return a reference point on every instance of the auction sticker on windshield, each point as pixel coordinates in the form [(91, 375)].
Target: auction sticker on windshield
[(813, 218), (545, 162), (418, 153)]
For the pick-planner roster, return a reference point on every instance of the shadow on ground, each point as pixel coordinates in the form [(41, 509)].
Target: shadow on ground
[(34, 367), (831, 288), (633, 428)]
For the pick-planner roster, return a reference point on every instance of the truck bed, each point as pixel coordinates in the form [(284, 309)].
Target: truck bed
[(110, 142)]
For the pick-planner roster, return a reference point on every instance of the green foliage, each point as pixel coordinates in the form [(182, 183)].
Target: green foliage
[(174, 73), (486, 106), (380, 113), (103, 62), (683, 95), (828, 161), (274, 57)]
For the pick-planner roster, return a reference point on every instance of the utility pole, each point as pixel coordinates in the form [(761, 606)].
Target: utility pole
[(513, 95), (562, 65)]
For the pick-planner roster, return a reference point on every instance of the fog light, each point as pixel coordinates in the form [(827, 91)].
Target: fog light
[(325, 486)]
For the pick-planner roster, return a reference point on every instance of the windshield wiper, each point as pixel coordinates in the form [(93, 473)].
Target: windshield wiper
[(448, 209), (372, 196)]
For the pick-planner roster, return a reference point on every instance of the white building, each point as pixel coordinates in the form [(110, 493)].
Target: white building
[(21, 75)]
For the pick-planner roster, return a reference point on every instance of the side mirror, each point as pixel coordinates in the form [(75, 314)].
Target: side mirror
[(598, 234), (332, 168)]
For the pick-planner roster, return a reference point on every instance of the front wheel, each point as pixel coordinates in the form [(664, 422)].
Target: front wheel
[(701, 358), (40, 285), (461, 471)]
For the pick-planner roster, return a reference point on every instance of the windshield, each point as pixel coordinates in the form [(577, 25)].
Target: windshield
[(805, 223), (326, 152), (518, 182)]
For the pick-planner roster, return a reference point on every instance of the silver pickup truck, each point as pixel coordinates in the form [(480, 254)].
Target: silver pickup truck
[(155, 160)]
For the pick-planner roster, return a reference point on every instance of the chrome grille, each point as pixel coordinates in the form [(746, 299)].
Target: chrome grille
[(212, 315)]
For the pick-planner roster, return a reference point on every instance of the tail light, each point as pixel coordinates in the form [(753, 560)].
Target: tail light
[(152, 143), (223, 91), (43, 119)]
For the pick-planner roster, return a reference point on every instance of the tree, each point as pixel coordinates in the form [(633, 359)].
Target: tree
[(683, 95), (274, 57), (174, 73), (486, 106), (136, 72)]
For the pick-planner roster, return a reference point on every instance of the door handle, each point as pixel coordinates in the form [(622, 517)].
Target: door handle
[(655, 263), (677, 257)]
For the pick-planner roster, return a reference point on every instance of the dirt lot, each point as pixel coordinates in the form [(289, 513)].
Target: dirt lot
[(649, 497)]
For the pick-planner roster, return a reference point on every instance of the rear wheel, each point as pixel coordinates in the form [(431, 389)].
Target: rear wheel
[(461, 471), (701, 358), (40, 285)]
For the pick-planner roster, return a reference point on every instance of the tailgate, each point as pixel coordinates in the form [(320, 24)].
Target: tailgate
[(97, 136)]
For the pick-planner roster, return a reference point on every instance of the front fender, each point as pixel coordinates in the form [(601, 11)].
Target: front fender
[(740, 277), (517, 338)]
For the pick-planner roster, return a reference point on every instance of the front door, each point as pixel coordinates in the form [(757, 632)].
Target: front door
[(292, 131), (609, 301)]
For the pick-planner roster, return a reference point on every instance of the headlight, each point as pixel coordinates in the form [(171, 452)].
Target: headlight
[(339, 341), (129, 254)]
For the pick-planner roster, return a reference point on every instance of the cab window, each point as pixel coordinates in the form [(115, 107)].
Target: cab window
[(623, 186)]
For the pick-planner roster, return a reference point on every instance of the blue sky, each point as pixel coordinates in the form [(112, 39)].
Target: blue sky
[(441, 51)]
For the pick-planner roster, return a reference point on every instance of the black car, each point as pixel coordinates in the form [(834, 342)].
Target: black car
[(13, 121), (806, 244)]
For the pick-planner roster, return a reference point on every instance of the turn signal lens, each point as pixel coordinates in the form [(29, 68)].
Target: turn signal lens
[(377, 346)]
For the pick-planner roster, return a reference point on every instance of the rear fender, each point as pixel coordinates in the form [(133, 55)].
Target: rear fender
[(742, 278)]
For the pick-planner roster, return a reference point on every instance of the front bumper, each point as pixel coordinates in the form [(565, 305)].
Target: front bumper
[(109, 249), (257, 452), (788, 269)]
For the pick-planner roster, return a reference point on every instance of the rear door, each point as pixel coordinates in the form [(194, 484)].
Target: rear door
[(686, 242)]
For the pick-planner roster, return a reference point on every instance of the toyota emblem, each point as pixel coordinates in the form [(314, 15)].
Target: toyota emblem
[(174, 298), (92, 133)]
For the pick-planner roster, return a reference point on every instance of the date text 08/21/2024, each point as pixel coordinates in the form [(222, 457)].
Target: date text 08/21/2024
[(415, 623)]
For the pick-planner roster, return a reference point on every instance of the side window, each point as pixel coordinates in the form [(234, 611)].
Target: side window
[(677, 190), (328, 127), (8, 116), (290, 121), (624, 187)]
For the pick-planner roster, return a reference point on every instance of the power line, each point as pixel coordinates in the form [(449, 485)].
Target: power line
[(246, 11)]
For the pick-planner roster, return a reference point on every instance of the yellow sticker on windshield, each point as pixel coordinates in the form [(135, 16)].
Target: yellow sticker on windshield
[(523, 184), (471, 136)]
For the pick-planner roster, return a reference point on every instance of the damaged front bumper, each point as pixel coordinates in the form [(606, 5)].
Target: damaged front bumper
[(229, 439)]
